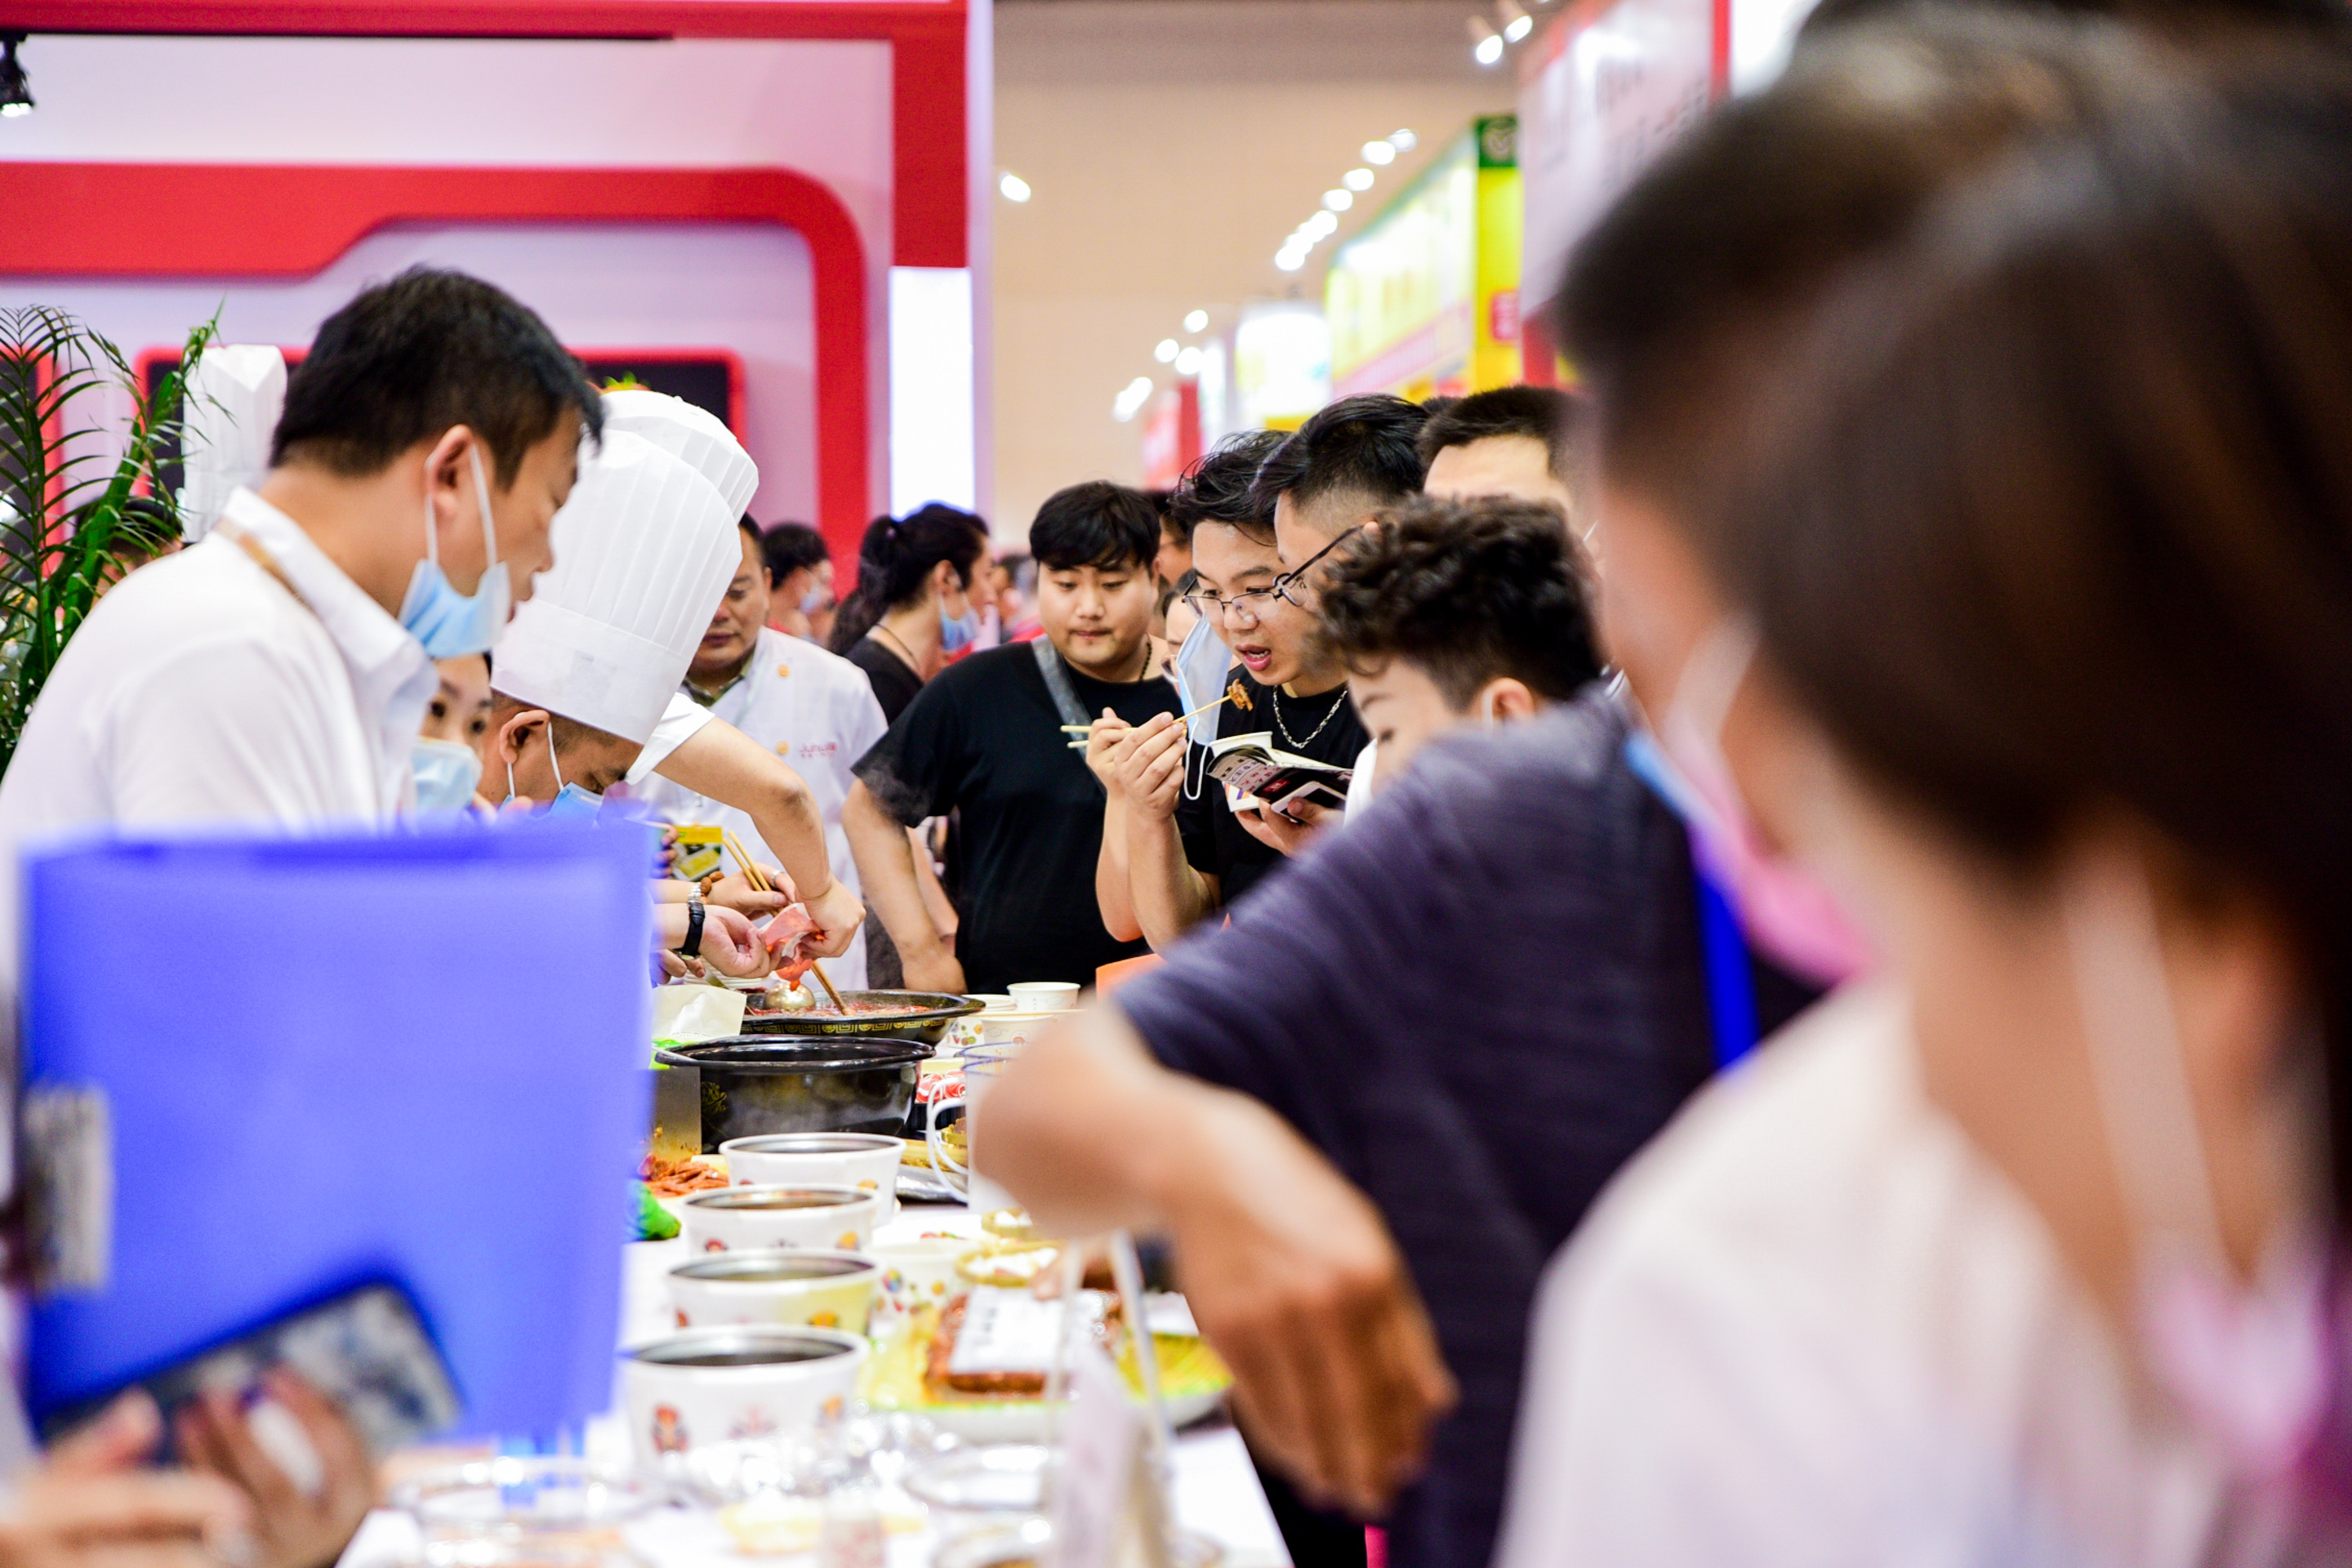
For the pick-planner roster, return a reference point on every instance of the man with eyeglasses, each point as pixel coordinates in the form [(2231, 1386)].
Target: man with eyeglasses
[(1190, 848)]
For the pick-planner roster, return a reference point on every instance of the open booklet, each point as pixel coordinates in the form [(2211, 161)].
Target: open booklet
[(1250, 766)]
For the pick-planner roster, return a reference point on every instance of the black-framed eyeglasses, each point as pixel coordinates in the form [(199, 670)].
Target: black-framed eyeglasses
[(1287, 584), (1255, 600)]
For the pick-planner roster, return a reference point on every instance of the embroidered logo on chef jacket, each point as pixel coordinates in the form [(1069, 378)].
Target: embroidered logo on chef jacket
[(784, 672)]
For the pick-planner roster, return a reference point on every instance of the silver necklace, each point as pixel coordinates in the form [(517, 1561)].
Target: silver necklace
[(1292, 742)]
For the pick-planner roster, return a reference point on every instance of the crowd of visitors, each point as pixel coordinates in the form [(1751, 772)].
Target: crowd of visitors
[(1736, 965)]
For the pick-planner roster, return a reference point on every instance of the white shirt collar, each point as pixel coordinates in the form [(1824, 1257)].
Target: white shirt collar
[(391, 674)]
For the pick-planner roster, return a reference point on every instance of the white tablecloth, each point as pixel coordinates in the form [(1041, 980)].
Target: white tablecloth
[(1217, 1492)]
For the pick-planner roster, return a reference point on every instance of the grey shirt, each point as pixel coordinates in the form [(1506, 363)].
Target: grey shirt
[(1478, 1000)]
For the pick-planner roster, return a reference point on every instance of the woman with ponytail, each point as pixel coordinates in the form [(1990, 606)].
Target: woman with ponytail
[(913, 608)]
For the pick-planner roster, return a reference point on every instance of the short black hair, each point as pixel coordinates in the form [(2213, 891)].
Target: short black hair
[(1467, 591), (1221, 487), (750, 530), (1359, 447), (789, 547), (1096, 523), (1546, 413), (406, 359)]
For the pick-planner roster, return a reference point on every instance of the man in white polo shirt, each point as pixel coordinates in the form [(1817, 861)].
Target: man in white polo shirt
[(813, 710), (276, 675)]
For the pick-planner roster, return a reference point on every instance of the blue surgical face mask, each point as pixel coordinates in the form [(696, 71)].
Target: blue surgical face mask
[(571, 803), (449, 624), (817, 598), (956, 635), (446, 775)]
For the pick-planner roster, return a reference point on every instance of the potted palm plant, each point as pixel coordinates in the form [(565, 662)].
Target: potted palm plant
[(66, 482)]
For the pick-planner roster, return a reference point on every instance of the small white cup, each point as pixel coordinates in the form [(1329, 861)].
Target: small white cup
[(1043, 995), (917, 1273), (746, 1219), (993, 1001), (718, 1385), (790, 1287), (867, 1160)]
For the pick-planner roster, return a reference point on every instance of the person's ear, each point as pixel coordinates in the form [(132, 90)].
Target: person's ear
[(516, 733), (1509, 699), (448, 477)]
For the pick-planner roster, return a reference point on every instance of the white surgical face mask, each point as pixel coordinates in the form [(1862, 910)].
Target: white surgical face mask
[(2251, 1364)]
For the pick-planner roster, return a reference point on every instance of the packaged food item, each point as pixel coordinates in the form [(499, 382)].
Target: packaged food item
[(697, 850)]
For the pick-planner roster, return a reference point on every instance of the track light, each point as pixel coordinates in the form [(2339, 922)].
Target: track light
[(1517, 22), (1487, 45), (15, 89)]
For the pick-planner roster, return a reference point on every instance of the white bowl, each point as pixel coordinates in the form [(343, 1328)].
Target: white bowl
[(718, 1385), (865, 1160), (790, 1287), (744, 1219)]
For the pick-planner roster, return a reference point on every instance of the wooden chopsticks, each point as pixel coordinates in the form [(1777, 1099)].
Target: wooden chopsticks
[(1180, 719)]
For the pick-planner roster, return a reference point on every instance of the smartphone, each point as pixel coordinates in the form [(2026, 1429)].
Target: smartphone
[(366, 1349)]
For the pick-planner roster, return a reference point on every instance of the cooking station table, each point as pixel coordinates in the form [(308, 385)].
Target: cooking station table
[(1217, 1492)]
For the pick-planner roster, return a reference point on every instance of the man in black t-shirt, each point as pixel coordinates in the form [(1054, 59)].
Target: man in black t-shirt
[(985, 737)]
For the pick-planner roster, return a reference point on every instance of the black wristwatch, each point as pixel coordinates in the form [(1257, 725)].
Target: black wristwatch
[(692, 946)]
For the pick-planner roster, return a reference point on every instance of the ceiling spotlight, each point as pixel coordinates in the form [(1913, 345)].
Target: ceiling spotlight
[(1131, 399), (1519, 27), (1378, 153), (1189, 363), (1339, 201), (1403, 140), (1164, 350), (1322, 226), (15, 90), (1014, 187), (1488, 48), (1357, 179), (1196, 321), (1291, 260)]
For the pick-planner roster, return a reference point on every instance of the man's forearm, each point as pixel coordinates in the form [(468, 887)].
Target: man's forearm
[(1111, 894), (722, 762), (886, 870), (1168, 896), (1083, 1128)]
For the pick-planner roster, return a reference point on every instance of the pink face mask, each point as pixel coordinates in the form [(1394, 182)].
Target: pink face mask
[(1784, 911), (2252, 1363)]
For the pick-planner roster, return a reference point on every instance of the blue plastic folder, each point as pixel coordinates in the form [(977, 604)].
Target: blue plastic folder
[(414, 1057)]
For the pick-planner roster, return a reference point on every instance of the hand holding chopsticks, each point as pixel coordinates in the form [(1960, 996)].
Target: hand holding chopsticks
[(1087, 731)]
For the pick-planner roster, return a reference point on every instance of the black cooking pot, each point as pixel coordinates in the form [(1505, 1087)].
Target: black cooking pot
[(751, 1084)]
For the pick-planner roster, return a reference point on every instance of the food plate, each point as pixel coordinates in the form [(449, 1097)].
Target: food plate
[(1192, 1384)]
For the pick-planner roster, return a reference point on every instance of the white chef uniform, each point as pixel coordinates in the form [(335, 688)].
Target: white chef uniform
[(245, 680), (644, 551), (816, 710), (234, 398)]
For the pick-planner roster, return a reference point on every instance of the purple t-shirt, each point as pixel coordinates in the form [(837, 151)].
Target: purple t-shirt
[(1477, 1001)]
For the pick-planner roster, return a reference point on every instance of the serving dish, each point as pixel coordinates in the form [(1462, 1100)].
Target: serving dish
[(927, 1016), (1192, 1384)]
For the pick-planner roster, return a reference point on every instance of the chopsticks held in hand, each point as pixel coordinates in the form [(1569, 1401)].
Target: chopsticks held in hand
[(1086, 729), (760, 884)]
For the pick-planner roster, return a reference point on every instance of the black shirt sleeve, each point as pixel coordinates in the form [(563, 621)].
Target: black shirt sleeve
[(918, 769)]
